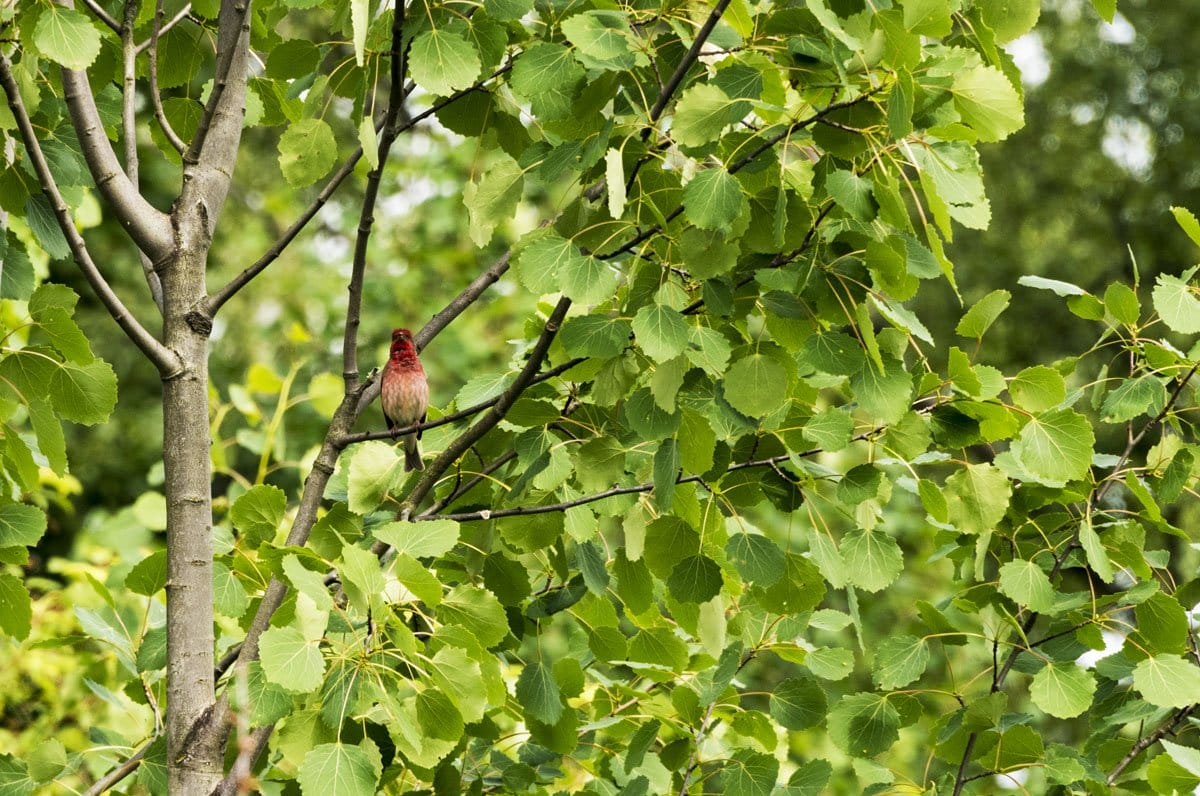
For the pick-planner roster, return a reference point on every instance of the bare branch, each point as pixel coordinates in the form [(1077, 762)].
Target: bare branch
[(1146, 741), (119, 773), (163, 358), (129, 131), (366, 219), (155, 95), (103, 15), (690, 58), (222, 110), (149, 227), (550, 508), (172, 22), (218, 299)]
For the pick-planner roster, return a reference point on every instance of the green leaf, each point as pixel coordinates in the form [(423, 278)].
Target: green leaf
[(695, 579), (1038, 388), (373, 470), (1184, 217), (1028, 585), (16, 610), (1107, 9), (443, 61), (603, 40), (257, 513), (756, 385), (1056, 446), (1177, 303), (852, 192), (149, 575), (987, 101), (830, 430), (714, 199), (539, 262), (927, 17), (84, 394), (306, 152), (538, 693), (65, 335), (67, 37), (798, 702), (419, 539), (586, 280), (291, 661), (21, 525), (885, 397), (873, 559), (757, 559), (1187, 757), (340, 768), (1010, 19), (662, 332), (16, 275), (476, 610), (549, 77), (229, 595), (864, 724), (1144, 395), (361, 577), (749, 773), (359, 22), (1053, 285), (493, 199), (702, 112), (1063, 689), (596, 336), (1097, 556), (1162, 625), (1168, 681), (708, 349), (978, 498), (899, 661), (1122, 303), (47, 760)]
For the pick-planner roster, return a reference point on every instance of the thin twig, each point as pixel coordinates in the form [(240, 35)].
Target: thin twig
[(170, 23), (155, 95), (366, 219), (218, 299), (103, 15), (120, 772), (163, 358), (1145, 742), (1060, 560), (681, 71)]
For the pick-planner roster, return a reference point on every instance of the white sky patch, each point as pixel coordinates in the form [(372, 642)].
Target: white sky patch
[(1029, 53), (1112, 645), (1119, 31), (1130, 144), (1012, 780)]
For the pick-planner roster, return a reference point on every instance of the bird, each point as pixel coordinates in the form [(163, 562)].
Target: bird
[(405, 394)]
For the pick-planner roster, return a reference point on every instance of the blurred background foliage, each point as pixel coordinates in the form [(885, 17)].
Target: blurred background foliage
[(1077, 195)]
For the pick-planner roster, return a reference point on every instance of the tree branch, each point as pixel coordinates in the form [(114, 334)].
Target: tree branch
[(1060, 560), (129, 131), (681, 71), (163, 358), (172, 22), (149, 227), (366, 218), (1145, 742), (155, 95), (103, 15), (218, 299), (119, 773), (232, 26)]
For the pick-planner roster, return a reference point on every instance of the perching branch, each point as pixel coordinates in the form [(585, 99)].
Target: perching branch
[(218, 299), (681, 71), (103, 15), (119, 773), (233, 23), (163, 358), (366, 218)]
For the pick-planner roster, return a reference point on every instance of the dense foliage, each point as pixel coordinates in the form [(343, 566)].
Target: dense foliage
[(716, 518)]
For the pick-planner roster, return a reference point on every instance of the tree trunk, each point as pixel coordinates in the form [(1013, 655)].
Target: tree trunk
[(193, 768)]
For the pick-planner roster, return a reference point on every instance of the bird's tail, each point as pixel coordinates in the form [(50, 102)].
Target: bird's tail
[(412, 454)]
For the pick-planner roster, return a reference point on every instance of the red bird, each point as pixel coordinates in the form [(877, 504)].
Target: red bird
[(405, 394)]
